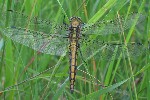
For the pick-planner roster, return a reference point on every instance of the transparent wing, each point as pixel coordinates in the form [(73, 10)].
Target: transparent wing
[(112, 26), (33, 23), (47, 43), (105, 50), (40, 35)]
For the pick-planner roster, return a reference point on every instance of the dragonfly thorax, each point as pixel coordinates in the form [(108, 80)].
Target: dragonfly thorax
[(75, 21)]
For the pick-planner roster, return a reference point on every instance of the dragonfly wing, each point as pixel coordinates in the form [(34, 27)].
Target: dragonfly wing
[(33, 23), (46, 43), (41, 35), (105, 50), (112, 26), (132, 50)]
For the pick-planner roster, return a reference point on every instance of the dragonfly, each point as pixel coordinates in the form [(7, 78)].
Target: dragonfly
[(51, 38)]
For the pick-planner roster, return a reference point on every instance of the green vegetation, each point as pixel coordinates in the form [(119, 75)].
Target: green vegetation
[(123, 78)]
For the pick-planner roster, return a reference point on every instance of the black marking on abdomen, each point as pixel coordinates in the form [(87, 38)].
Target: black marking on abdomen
[(73, 65)]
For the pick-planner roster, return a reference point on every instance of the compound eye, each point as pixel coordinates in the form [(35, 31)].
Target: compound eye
[(75, 24)]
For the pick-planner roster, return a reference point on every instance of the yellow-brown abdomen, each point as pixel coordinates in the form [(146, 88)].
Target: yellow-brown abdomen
[(73, 64)]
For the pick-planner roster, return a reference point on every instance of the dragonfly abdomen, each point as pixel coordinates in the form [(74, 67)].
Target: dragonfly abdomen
[(73, 63)]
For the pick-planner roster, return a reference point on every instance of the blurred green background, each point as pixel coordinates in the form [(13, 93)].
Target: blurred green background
[(124, 79)]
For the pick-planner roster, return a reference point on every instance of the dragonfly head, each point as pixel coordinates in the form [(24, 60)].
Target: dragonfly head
[(75, 21)]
